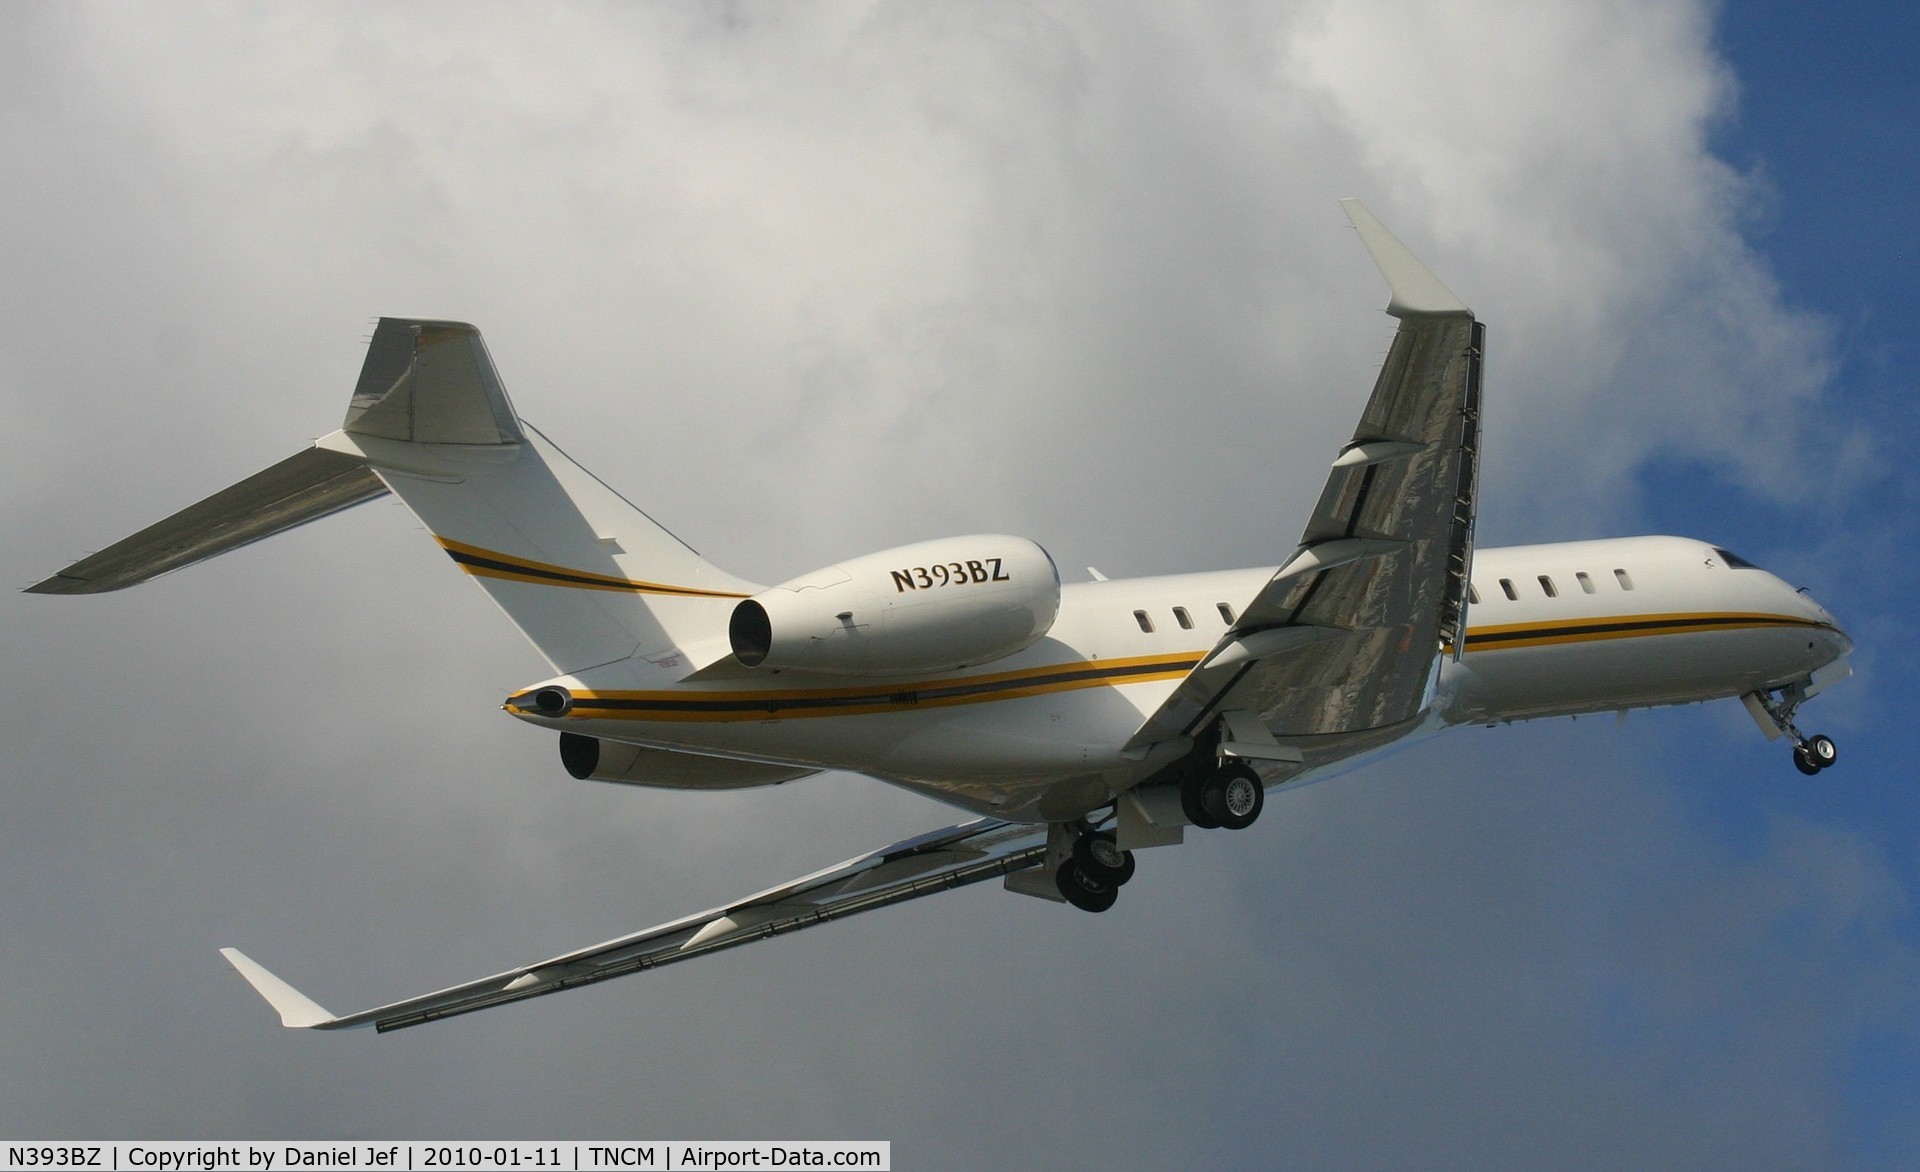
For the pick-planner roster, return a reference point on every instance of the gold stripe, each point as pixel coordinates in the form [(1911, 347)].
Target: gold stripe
[(906, 695), (1112, 666), (1555, 632), (515, 569)]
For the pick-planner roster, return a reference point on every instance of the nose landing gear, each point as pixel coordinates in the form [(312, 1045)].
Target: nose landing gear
[(1814, 753), (1811, 754)]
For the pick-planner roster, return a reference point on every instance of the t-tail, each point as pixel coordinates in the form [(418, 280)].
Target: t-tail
[(586, 576)]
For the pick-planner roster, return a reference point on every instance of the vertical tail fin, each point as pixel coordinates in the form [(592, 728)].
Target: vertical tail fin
[(585, 575)]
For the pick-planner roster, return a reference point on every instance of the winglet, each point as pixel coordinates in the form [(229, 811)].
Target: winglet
[(1415, 289), (297, 1011)]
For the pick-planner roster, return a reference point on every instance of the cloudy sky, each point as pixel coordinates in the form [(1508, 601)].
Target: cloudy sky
[(812, 280)]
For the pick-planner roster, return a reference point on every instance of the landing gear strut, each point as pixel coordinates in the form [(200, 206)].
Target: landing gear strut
[(1811, 754)]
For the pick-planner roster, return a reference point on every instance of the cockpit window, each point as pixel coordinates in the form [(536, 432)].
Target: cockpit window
[(1734, 560)]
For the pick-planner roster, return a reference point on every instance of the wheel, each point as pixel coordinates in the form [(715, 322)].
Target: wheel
[(1822, 751), (1101, 857), (1193, 804), (1081, 890), (1804, 763), (1235, 796)]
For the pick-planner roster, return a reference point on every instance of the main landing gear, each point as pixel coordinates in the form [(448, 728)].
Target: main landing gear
[(1811, 754), (1230, 797), (1089, 868), (1091, 876)]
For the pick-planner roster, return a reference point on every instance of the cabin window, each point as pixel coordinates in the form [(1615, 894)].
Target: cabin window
[(1506, 588), (1620, 576), (1547, 585), (1473, 594), (1181, 616), (1146, 624), (1586, 583), (1226, 613)]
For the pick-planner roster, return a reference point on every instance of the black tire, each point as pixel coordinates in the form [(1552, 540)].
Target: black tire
[(1100, 856), (1082, 890), (1193, 804), (1822, 751), (1234, 796), (1804, 763)]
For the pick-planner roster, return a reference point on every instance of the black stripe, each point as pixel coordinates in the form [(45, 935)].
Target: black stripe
[(561, 576), (1206, 710), (1632, 626), (905, 698)]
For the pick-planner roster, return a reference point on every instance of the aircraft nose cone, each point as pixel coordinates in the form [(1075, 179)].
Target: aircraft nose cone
[(1833, 638), (1842, 640)]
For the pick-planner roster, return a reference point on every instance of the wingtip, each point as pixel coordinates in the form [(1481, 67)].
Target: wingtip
[(297, 1011), (63, 584), (1415, 289)]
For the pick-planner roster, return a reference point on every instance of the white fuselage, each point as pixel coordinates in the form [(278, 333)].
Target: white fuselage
[(1553, 630)]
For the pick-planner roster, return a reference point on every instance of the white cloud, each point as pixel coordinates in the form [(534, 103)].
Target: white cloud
[(1559, 154)]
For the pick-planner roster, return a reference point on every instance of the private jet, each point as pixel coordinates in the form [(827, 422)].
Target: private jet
[(1079, 723)]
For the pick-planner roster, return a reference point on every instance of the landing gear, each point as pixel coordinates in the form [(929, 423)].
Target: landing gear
[(1082, 890), (1235, 796), (1821, 750), (1088, 866), (1811, 754), (1815, 753), (1099, 855), (1230, 797), (1193, 802), (1091, 875)]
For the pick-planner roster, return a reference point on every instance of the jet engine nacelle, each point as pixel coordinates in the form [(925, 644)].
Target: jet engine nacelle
[(592, 759), (931, 606)]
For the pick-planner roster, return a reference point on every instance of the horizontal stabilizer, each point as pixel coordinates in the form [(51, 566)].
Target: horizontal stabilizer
[(301, 488)]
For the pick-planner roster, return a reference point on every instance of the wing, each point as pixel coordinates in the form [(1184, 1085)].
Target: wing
[(1344, 638), (939, 861)]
